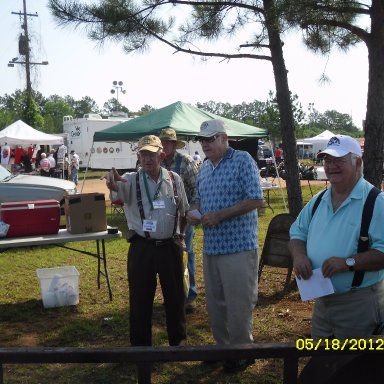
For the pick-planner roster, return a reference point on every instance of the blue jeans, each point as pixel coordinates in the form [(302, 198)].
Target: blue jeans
[(74, 175), (189, 235)]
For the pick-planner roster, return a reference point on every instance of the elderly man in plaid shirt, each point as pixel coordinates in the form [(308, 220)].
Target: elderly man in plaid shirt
[(184, 166)]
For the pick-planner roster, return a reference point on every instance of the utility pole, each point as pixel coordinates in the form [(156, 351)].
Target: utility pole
[(24, 49)]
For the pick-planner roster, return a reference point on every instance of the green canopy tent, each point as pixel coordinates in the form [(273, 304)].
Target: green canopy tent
[(183, 118)]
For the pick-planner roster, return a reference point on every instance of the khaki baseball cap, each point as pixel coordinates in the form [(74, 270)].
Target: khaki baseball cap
[(149, 143)]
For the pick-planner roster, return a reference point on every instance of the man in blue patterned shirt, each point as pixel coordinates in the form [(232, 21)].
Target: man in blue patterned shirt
[(229, 194)]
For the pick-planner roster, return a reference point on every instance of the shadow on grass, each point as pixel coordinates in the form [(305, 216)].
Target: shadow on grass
[(69, 327)]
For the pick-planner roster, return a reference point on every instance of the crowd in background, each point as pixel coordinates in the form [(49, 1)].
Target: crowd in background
[(41, 159)]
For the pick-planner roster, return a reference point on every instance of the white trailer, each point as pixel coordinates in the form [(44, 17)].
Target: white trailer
[(105, 155), (98, 155)]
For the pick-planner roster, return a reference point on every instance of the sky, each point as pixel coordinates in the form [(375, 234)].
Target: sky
[(79, 67)]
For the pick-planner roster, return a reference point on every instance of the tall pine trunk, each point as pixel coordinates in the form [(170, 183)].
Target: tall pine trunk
[(374, 123), (287, 126)]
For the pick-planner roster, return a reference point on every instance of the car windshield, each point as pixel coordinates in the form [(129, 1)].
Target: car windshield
[(5, 175)]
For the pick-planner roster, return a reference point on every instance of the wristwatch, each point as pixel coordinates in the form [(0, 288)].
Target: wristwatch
[(350, 261)]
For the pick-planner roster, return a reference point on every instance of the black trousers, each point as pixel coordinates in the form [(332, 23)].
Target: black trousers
[(146, 260)]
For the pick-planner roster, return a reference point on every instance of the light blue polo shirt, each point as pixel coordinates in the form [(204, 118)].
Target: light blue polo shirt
[(336, 234), (234, 179)]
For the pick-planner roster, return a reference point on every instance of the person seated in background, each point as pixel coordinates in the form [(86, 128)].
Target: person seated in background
[(45, 165)]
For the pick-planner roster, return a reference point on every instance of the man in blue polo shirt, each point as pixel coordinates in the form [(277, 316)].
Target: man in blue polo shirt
[(328, 239), (229, 193)]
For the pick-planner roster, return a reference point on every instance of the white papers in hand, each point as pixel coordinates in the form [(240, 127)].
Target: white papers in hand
[(194, 214), (316, 286)]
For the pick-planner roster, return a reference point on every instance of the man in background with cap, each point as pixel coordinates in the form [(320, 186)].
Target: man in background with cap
[(184, 166), (229, 193), (156, 201), (328, 238)]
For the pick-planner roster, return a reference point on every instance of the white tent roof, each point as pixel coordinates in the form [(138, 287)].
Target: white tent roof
[(20, 133), (323, 137)]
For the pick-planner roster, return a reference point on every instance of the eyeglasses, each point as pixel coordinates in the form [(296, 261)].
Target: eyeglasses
[(207, 140), (338, 161)]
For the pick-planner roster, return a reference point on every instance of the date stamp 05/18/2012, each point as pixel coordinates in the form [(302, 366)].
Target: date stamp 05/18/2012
[(370, 344)]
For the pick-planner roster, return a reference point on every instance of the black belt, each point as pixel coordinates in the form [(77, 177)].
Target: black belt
[(155, 242)]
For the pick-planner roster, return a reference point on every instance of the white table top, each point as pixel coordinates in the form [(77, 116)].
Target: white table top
[(62, 237), (267, 185)]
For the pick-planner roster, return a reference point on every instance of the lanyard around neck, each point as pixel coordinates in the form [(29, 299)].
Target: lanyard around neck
[(157, 192)]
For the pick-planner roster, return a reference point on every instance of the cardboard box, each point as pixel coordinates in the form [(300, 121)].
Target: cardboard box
[(85, 212)]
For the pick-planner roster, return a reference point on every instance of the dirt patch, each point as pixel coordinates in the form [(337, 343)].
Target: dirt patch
[(94, 185)]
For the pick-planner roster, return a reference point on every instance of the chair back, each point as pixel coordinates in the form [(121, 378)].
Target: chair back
[(275, 251)]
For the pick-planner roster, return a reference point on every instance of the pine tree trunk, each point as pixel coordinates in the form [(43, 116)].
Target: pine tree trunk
[(374, 123), (287, 126)]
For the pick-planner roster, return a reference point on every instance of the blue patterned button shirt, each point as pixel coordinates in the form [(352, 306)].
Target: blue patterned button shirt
[(234, 179)]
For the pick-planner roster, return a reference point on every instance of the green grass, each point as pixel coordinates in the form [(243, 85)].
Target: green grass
[(92, 173), (97, 322)]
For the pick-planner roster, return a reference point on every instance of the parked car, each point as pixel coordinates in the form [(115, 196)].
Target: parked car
[(30, 187)]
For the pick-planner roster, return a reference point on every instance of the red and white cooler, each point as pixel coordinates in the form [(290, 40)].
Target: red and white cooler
[(29, 218)]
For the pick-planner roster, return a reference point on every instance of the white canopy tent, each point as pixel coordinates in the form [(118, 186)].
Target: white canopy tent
[(304, 149), (20, 133), (320, 141)]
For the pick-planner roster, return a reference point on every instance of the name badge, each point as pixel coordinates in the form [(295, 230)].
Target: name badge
[(149, 225), (157, 204)]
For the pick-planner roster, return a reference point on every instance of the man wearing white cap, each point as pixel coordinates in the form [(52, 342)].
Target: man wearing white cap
[(326, 235), (155, 200), (229, 193)]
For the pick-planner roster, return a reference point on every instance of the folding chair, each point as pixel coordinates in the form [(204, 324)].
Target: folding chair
[(117, 211), (275, 251)]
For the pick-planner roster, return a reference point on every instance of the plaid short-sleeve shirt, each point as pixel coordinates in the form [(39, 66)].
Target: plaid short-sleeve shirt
[(234, 179)]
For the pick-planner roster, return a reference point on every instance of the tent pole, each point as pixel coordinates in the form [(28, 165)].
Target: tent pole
[(86, 168)]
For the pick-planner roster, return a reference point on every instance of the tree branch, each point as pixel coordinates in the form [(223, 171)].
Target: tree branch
[(210, 54), (364, 35), (343, 10), (236, 4)]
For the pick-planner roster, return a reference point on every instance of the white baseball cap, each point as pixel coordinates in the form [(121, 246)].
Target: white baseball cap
[(211, 128), (341, 145)]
